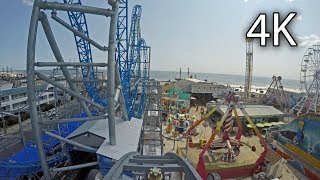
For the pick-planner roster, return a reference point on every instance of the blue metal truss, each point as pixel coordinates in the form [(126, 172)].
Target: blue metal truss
[(122, 54), (78, 21), (122, 38), (126, 61), (135, 35), (137, 58), (130, 79)]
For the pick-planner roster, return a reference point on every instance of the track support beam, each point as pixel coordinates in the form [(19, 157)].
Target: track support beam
[(58, 121), (74, 64), (55, 49), (78, 33), (77, 95), (75, 8), (88, 148), (31, 86), (80, 166)]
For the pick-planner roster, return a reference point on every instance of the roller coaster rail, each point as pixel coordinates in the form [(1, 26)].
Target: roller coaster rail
[(133, 78), (140, 164), (81, 36)]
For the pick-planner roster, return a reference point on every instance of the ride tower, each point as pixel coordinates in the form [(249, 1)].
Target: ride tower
[(249, 68)]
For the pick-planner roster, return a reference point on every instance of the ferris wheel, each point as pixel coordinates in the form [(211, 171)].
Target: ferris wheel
[(310, 81)]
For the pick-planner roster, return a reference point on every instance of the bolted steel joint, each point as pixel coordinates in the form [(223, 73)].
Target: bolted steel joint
[(112, 2), (54, 12)]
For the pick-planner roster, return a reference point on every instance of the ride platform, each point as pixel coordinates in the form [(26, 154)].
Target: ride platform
[(213, 163)]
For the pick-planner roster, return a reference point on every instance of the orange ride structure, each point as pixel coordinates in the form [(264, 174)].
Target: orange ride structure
[(227, 156)]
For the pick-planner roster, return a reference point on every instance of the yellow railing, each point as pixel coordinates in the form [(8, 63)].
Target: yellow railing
[(179, 152), (308, 157)]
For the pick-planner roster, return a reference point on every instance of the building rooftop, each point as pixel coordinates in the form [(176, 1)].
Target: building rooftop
[(263, 89), (127, 136), (256, 111), (22, 89), (4, 82), (194, 80)]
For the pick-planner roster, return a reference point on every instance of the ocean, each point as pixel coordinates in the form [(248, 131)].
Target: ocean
[(225, 79)]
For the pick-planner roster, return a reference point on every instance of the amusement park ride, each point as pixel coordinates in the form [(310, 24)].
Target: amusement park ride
[(176, 101), (309, 79), (208, 154), (55, 150), (275, 94), (298, 141), (174, 105)]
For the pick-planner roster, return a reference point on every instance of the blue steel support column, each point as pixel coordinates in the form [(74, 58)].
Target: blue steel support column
[(32, 89), (122, 53)]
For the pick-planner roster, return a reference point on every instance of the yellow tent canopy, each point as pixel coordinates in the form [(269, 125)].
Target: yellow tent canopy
[(274, 123), (260, 125), (277, 123), (249, 126), (267, 124)]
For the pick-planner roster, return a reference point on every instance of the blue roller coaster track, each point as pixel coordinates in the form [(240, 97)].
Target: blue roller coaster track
[(133, 78), (127, 62), (78, 21), (135, 36)]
